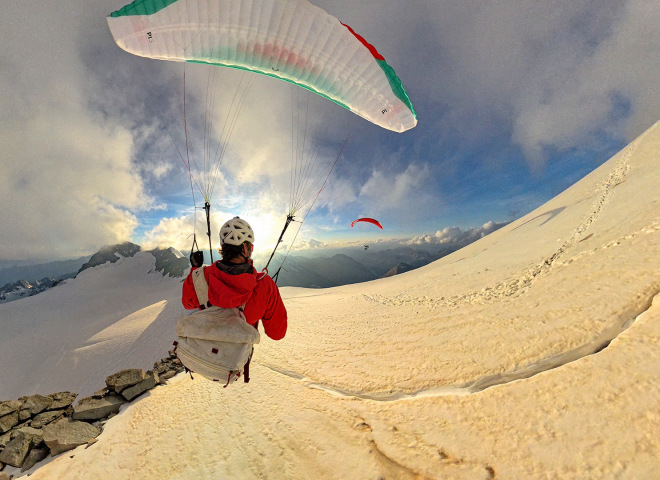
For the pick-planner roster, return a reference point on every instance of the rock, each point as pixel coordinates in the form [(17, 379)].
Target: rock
[(46, 417), (16, 451), (4, 476), (66, 434), (24, 415), (124, 378), (36, 404), (62, 400), (8, 422), (167, 375), (35, 456), (161, 368), (10, 407), (4, 440), (146, 384), (91, 408), (35, 435), (101, 393)]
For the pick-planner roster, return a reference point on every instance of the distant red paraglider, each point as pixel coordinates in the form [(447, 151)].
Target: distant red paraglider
[(370, 220)]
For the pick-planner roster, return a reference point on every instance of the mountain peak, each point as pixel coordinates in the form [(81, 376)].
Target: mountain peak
[(111, 253)]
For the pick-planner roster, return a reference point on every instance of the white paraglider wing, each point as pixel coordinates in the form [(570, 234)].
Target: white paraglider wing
[(292, 40)]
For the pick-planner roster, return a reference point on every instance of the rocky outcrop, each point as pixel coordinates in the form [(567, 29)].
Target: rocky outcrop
[(22, 422), (169, 261), (66, 434), (33, 427), (92, 408), (111, 254), (23, 288)]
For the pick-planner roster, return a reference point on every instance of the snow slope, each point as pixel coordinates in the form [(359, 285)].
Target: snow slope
[(113, 316), (532, 353)]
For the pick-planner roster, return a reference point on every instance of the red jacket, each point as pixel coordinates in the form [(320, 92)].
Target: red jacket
[(257, 290)]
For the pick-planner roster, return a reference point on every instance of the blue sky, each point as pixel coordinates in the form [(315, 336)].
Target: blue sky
[(516, 101)]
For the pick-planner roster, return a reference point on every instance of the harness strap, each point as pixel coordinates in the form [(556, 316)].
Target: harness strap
[(201, 287), (246, 368)]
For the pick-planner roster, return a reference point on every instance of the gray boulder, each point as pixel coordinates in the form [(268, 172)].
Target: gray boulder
[(101, 393), (147, 384), (124, 379), (24, 415), (62, 400), (35, 404), (7, 422), (35, 456), (91, 408), (9, 407), (35, 435), (66, 434), (4, 440), (17, 450), (166, 376), (46, 417)]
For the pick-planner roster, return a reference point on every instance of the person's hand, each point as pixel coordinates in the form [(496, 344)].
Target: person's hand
[(197, 259)]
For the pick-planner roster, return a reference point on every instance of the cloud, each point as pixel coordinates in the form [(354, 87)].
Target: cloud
[(68, 184), (398, 185), (311, 244), (266, 223), (549, 75), (456, 236), (67, 192)]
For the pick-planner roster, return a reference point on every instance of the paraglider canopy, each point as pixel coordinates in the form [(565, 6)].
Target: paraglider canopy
[(370, 220), (292, 40)]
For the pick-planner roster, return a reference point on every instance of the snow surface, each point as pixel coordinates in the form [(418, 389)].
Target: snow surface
[(532, 353)]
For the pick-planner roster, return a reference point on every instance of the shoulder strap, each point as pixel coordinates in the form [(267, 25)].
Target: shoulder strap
[(201, 287)]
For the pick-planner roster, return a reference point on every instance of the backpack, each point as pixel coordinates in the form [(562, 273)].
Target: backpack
[(215, 342)]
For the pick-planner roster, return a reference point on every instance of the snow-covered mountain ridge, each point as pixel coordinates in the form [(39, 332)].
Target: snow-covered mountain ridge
[(297, 271), (24, 288), (169, 262)]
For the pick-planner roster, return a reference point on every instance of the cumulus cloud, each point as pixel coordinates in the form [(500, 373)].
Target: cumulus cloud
[(398, 185), (311, 244), (68, 182), (455, 236), (178, 231)]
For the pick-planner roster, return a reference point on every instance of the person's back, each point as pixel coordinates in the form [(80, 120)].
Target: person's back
[(233, 282)]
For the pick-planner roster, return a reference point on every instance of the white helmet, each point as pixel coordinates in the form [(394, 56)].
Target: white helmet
[(236, 231)]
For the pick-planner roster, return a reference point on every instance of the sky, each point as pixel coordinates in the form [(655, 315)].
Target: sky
[(515, 102), (531, 353)]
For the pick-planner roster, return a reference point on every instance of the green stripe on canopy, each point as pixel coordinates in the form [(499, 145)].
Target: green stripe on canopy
[(142, 7), (397, 86)]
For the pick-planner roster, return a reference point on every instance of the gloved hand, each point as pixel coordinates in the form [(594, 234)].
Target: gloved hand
[(197, 258)]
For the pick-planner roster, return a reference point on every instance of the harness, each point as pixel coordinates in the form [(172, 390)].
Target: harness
[(201, 288)]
